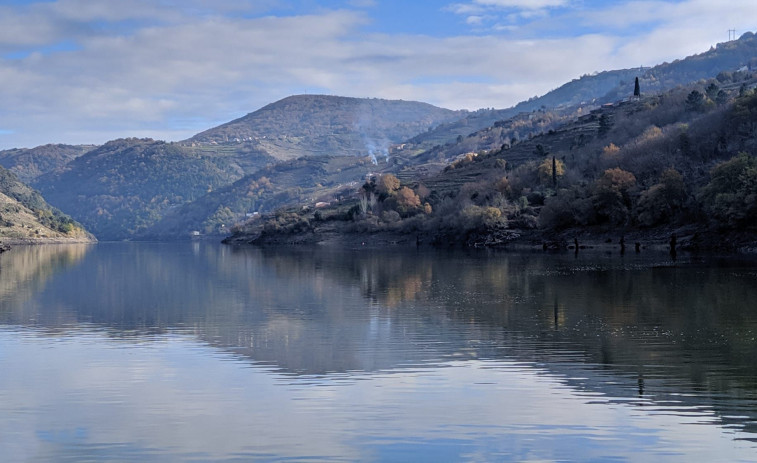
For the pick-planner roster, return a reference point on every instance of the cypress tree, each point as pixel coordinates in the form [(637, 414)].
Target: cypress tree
[(554, 173), (636, 89)]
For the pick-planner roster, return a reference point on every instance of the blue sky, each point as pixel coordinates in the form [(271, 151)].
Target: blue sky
[(86, 71)]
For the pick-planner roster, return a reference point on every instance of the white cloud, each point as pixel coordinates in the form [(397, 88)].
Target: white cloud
[(522, 4), (177, 73)]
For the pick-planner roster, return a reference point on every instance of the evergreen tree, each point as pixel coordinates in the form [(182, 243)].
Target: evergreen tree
[(554, 173), (636, 88)]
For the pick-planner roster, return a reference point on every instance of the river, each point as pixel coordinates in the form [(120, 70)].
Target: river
[(204, 352)]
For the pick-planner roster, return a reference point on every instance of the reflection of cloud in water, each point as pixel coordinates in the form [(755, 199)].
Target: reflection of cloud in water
[(175, 398)]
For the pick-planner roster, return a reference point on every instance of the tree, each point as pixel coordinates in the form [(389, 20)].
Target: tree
[(695, 101), (388, 184), (721, 98), (407, 200), (610, 153), (636, 89), (662, 201), (554, 172), (611, 199), (712, 91)]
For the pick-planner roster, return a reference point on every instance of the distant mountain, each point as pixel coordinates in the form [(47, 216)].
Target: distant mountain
[(124, 186), (26, 217), (321, 125), (28, 164)]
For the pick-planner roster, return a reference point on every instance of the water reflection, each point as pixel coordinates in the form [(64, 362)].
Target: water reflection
[(674, 338)]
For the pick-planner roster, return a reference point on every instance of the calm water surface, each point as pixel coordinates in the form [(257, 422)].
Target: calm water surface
[(199, 352)]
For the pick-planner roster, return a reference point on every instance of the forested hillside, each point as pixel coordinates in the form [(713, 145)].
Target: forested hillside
[(124, 186)]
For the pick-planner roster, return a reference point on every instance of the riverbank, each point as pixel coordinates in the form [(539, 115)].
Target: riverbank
[(41, 241), (690, 237)]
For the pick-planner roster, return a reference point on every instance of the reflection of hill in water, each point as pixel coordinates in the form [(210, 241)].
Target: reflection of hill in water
[(24, 272), (682, 333)]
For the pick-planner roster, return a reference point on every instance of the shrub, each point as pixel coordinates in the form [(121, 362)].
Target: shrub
[(478, 218), (390, 216)]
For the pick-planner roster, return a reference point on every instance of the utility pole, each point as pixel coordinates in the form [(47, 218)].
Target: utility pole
[(731, 34)]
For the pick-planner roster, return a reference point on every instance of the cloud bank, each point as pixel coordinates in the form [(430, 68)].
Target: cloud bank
[(82, 71)]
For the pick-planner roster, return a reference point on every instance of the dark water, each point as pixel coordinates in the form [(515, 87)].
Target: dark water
[(199, 352)]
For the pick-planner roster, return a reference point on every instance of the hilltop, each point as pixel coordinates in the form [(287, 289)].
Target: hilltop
[(320, 125)]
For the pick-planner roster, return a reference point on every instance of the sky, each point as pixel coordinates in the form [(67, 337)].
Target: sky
[(88, 71)]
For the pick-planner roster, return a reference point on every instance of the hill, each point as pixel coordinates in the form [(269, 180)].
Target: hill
[(25, 216), (682, 162), (126, 185), (318, 125), (28, 164)]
